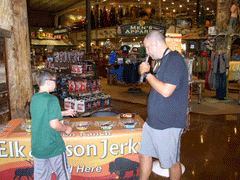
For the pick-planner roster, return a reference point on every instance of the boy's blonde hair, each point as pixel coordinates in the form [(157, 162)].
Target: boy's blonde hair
[(43, 75)]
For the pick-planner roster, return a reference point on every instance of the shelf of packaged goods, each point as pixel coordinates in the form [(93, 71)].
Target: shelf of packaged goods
[(82, 94)]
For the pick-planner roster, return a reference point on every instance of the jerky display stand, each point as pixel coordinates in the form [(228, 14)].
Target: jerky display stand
[(77, 84)]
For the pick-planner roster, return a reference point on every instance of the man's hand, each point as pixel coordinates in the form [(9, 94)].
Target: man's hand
[(69, 112), (68, 130), (144, 67)]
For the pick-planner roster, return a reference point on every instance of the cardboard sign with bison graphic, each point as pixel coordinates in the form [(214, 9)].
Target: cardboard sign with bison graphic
[(91, 154)]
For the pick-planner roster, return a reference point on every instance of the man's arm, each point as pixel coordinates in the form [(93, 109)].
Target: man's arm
[(165, 89), (58, 126)]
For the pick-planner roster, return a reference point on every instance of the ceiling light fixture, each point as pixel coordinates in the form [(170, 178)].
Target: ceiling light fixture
[(166, 8), (172, 3), (207, 8), (149, 3), (174, 10), (180, 5)]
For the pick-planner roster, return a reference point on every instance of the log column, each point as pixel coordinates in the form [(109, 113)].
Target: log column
[(223, 14), (19, 62), (222, 21)]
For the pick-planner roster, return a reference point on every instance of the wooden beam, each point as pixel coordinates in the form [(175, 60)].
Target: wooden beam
[(19, 74)]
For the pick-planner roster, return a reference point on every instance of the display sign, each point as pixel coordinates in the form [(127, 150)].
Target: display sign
[(212, 30), (61, 30), (174, 41), (47, 36), (138, 29), (93, 154)]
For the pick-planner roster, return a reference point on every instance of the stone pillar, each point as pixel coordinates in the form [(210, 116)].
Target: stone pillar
[(18, 61)]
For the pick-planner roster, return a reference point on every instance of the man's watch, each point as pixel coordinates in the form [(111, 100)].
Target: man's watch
[(145, 74)]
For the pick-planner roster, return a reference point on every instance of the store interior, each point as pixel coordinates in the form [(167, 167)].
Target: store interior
[(96, 47)]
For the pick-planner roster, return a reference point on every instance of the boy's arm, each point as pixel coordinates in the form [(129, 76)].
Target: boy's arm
[(58, 126), (69, 112)]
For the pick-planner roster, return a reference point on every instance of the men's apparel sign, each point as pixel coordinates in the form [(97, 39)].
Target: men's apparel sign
[(138, 29)]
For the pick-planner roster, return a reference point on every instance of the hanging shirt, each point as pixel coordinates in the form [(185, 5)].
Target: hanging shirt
[(220, 63), (113, 57), (125, 49)]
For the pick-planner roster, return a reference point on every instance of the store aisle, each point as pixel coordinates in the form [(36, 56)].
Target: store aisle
[(120, 92), (210, 149)]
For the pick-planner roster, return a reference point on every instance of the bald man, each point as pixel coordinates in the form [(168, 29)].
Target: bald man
[(167, 107)]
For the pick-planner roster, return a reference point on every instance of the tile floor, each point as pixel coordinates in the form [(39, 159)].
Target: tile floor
[(210, 150)]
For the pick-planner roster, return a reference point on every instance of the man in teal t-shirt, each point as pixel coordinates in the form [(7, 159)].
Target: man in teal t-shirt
[(48, 147)]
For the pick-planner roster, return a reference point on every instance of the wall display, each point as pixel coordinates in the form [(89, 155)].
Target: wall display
[(68, 56), (93, 153)]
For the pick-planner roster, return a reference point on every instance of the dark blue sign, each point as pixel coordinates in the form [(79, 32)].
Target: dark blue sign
[(138, 29)]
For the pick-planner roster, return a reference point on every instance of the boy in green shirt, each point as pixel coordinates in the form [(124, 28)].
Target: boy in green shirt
[(48, 147)]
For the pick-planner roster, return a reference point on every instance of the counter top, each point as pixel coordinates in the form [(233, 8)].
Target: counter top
[(14, 127)]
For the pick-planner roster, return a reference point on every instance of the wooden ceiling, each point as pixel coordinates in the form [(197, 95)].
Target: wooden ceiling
[(52, 6), (178, 8)]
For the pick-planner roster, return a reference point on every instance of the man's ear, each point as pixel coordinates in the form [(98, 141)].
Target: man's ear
[(155, 43)]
